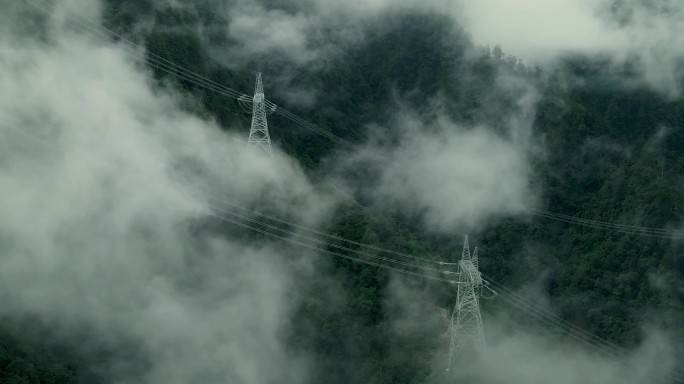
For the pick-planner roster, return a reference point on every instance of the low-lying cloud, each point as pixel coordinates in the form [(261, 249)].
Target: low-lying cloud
[(104, 180), (305, 35), (520, 357), (104, 209), (452, 176), (522, 349), (302, 33), (649, 34)]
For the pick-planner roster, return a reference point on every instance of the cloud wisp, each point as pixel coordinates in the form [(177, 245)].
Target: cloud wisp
[(305, 35), (454, 177), (103, 177), (520, 357), (648, 34)]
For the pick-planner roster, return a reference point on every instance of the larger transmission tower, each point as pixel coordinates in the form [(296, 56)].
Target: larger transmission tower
[(466, 322), (258, 133)]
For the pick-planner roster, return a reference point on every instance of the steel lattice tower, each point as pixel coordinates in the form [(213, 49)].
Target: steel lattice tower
[(466, 322), (258, 133)]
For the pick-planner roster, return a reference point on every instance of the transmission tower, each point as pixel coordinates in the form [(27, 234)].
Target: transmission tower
[(258, 133), (466, 323)]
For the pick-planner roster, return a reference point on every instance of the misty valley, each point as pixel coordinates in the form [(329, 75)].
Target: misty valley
[(322, 191)]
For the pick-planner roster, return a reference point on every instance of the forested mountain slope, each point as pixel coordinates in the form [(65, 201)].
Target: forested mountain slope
[(601, 150)]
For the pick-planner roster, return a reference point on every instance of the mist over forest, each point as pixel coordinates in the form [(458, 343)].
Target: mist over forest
[(143, 241)]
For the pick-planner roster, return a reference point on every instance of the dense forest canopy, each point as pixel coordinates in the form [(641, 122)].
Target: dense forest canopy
[(584, 135)]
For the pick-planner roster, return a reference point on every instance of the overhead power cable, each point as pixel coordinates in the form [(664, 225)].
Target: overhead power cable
[(262, 224), (106, 35), (592, 340), (602, 345), (327, 251), (618, 228), (605, 223), (319, 244), (552, 318), (313, 127), (218, 202)]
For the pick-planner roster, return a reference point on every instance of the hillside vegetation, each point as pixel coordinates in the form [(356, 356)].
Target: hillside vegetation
[(608, 152)]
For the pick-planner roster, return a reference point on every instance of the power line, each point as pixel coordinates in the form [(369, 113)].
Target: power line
[(313, 127), (106, 35), (330, 236), (605, 223), (323, 250), (186, 75), (381, 262), (216, 208), (322, 242), (546, 317), (606, 226), (590, 339), (529, 306), (602, 345)]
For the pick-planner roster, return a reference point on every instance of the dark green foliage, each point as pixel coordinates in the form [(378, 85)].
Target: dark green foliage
[(26, 358), (612, 159), (613, 154)]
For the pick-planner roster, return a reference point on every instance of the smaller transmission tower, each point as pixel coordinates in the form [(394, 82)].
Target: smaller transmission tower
[(258, 133), (466, 322)]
